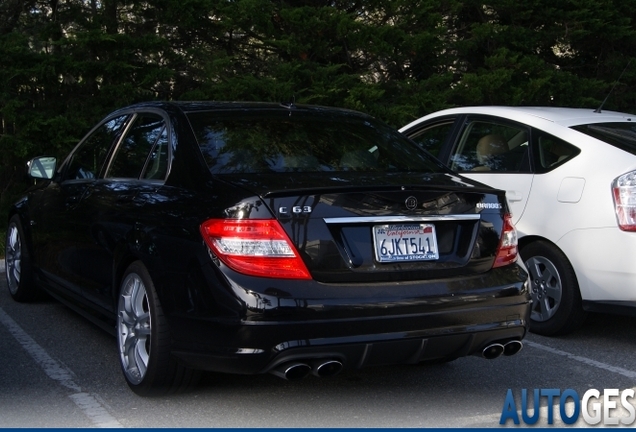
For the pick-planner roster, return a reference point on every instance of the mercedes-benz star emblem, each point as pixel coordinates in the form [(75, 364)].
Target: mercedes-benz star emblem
[(411, 203)]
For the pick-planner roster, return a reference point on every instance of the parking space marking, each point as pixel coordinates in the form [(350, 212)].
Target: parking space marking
[(89, 405), (615, 369)]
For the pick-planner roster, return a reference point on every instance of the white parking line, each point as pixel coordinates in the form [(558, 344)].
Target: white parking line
[(615, 369), (95, 412)]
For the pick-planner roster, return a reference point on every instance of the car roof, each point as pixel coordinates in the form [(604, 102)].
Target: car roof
[(563, 116), (194, 106)]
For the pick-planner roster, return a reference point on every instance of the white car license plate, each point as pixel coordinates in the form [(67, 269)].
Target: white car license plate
[(405, 242)]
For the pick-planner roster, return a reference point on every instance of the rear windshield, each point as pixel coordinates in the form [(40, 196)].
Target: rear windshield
[(620, 135), (299, 141)]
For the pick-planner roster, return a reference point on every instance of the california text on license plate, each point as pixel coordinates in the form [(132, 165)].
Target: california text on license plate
[(405, 242)]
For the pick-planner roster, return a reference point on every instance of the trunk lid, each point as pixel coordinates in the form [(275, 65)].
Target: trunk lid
[(412, 227)]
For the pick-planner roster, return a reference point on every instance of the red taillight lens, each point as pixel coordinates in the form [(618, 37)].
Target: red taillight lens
[(255, 247), (507, 251), (624, 192)]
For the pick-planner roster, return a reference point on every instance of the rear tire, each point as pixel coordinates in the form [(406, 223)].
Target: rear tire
[(557, 308), (144, 340), (19, 272)]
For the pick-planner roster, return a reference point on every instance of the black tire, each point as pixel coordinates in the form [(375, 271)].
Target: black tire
[(144, 340), (556, 300), (19, 272)]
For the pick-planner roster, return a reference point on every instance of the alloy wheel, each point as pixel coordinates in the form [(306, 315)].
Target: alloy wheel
[(134, 325), (13, 258), (546, 288)]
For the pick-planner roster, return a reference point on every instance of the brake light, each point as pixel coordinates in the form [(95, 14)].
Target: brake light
[(507, 251), (624, 192), (255, 247)]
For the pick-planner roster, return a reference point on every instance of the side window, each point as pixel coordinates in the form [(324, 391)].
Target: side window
[(157, 164), (142, 148), (432, 138), (492, 147), (88, 159), (553, 152)]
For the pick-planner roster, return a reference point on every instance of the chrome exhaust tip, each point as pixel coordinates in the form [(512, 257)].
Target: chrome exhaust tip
[(292, 371), (326, 368), (492, 351), (512, 347)]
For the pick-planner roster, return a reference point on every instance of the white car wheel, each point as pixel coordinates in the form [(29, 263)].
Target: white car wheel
[(556, 300)]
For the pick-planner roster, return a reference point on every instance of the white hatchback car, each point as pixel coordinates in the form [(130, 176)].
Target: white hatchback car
[(570, 180)]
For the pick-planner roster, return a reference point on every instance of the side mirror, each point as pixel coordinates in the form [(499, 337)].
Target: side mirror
[(42, 167)]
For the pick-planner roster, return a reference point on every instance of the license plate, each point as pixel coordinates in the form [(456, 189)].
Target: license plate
[(405, 242)]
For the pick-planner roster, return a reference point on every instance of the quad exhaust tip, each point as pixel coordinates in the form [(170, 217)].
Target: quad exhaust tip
[(492, 351), (294, 371), (328, 368), (495, 350), (512, 347)]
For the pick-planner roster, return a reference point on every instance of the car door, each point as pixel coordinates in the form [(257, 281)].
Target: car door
[(115, 203), (59, 221), (484, 148)]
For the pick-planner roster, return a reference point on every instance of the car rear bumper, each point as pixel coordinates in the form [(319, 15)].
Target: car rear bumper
[(420, 322), (353, 352)]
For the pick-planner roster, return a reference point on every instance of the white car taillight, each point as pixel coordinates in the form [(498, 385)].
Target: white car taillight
[(624, 192), (507, 251), (255, 247)]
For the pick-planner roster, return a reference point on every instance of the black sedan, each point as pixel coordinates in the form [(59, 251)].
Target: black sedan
[(253, 238)]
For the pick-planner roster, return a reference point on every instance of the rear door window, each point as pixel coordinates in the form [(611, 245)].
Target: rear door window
[(488, 146), (143, 152)]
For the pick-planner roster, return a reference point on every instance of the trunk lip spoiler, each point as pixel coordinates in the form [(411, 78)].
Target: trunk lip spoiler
[(400, 219)]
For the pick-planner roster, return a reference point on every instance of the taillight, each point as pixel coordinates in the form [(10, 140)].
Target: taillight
[(624, 192), (507, 251), (255, 247)]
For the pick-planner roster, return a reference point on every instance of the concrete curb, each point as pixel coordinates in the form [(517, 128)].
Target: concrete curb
[(2, 266)]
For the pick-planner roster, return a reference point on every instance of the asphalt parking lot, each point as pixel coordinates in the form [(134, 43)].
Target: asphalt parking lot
[(59, 370)]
